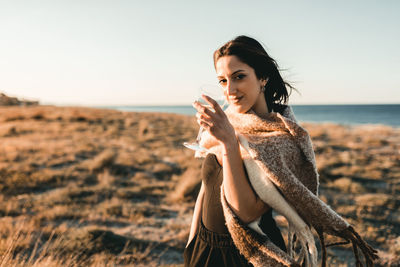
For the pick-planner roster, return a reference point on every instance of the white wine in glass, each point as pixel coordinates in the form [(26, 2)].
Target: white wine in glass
[(216, 93)]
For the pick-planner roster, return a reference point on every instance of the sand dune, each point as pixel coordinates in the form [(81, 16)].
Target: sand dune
[(89, 186)]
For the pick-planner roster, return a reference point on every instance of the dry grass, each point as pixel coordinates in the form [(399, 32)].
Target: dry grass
[(93, 187), (77, 185)]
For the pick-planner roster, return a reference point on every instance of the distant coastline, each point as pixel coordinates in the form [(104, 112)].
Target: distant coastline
[(346, 114), (14, 101)]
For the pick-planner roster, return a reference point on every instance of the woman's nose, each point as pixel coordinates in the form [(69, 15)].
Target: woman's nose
[(231, 88)]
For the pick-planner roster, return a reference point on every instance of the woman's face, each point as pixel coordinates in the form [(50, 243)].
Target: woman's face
[(241, 86)]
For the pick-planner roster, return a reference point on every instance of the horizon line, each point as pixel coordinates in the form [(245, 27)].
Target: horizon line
[(185, 105)]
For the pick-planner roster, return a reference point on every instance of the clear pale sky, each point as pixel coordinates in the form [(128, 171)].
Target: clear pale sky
[(159, 52)]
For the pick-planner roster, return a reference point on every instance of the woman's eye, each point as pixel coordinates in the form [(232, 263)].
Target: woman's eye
[(222, 81), (240, 76)]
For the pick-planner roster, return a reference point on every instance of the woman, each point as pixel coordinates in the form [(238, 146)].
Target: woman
[(257, 141), (251, 85)]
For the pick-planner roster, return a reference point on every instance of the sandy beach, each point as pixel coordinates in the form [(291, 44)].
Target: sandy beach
[(84, 186)]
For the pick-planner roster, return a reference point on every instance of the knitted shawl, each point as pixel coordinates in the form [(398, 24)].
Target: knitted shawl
[(280, 162)]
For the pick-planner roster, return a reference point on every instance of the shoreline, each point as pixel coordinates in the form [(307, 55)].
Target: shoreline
[(303, 113), (159, 109)]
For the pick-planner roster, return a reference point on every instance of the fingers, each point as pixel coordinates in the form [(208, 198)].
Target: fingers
[(202, 109), (205, 124), (206, 117), (204, 120), (212, 102), (202, 115)]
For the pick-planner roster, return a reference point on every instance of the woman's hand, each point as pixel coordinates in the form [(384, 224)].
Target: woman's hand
[(216, 123)]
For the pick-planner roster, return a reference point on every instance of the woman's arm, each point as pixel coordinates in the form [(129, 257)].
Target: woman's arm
[(196, 214), (238, 192)]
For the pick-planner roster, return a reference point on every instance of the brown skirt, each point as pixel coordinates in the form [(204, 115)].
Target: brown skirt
[(208, 248)]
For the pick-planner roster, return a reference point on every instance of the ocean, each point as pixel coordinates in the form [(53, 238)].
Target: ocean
[(387, 114)]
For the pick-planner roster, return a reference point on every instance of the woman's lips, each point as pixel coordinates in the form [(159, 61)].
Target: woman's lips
[(235, 100)]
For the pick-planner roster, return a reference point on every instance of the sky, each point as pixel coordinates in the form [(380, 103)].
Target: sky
[(81, 52)]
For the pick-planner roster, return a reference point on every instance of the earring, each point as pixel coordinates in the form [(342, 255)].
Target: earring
[(265, 85)]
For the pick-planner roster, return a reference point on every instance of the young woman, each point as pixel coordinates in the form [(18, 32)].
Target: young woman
[(250, 80), (257, 141)]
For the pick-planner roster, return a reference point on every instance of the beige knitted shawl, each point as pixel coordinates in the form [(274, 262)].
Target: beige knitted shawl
[(277, 149)]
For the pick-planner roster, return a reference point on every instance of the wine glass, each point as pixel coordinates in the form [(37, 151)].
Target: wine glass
[(216, 93)]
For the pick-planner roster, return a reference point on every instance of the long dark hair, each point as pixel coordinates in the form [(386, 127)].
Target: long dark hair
[(252, 53)]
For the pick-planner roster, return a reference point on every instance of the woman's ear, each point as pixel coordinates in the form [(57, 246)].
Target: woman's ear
[(264, 81)]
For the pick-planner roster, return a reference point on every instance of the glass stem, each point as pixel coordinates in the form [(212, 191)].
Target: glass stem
[(198, 138)]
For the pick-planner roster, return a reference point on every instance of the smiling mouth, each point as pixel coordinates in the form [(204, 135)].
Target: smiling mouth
[(235, 100)]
